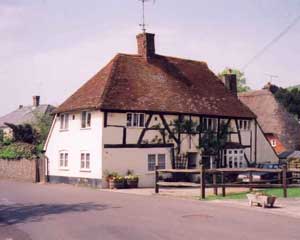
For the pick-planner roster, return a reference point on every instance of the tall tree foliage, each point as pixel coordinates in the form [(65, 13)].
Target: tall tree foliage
[(23, 133), (240, 76), (290, 99)]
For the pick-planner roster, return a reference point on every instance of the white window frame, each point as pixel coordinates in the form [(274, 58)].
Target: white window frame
[(63, 160), (244, 125), (135, 120), (210, 124), (64, 121), (157, 158), (273, 142), (86, 120), (235, 156), (85, 161)]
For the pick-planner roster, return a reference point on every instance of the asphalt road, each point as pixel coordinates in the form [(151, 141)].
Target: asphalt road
[(42, 212)]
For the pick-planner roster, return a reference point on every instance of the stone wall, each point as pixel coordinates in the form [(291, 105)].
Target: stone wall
[(19, 169)]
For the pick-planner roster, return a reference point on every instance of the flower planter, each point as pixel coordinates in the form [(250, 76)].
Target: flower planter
[(113, 184), (132, 183)]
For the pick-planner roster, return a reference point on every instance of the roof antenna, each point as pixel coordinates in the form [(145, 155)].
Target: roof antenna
[(271, 76), (143, 24)]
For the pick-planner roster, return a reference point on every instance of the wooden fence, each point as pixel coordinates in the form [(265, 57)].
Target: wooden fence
[(282, 180)]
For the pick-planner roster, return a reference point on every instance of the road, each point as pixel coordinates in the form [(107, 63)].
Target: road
[(36, 211)]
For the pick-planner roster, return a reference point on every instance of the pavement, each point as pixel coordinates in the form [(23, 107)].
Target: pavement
[(43, 211)]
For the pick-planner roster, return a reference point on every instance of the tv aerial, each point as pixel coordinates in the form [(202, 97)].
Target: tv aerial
[(143, 24)]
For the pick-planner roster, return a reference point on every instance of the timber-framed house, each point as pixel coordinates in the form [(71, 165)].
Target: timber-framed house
[(144, 110)]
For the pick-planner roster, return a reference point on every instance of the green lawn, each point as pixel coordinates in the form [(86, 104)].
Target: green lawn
[(278, 192)]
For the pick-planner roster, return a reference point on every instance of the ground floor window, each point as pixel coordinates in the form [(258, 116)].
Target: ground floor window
[(234, 158), (156, 159), (85, 161), (63, 159)]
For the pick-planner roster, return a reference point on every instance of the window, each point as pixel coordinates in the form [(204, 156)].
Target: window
[(244, 125), (210, 124), (64, 121), (86, 119), (151, 162), (63, 159), (135, 120), (273, 142), (85, 161), (159, 160), (234, 158)]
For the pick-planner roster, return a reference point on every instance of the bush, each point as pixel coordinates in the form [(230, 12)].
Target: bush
[(18, 150)]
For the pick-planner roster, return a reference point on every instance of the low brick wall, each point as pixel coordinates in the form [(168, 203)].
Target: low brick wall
[(19, 169)]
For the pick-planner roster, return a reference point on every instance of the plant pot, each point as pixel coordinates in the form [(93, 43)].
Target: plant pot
[(112, 184), (132, 183)]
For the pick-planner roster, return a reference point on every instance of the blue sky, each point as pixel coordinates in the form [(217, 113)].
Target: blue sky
[(51, 47)]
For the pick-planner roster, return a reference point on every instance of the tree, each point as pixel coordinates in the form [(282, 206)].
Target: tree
[(23, 133), (240, 76), (290, 99), (42, 126)]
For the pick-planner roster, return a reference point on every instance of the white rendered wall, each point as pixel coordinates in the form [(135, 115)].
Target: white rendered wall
[(136, 159), (74, 141)]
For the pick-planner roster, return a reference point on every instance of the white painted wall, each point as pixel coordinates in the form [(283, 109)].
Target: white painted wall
[(74, 140), (136, 159)]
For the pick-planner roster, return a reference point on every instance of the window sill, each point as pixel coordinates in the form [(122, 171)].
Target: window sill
[(63, 169), (63, 130), (88, 128), (85, 170)]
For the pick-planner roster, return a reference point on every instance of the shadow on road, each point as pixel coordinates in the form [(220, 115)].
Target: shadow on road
[(20, 213)]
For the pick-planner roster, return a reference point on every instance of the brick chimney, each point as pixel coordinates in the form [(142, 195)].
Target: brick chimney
[(36, 101), (230, 82), (146, 45)]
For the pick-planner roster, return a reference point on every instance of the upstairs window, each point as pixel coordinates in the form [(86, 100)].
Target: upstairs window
[(86, 118), (64, 121), (63, 159), (244, 125), (135, 120), (210, 124), (85, 161)]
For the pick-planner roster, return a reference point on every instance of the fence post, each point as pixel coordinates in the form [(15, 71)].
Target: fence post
[(250, 181), (156, 179), (279, 177), (202, 181), (215, 183), (223, 184), (284, 180)]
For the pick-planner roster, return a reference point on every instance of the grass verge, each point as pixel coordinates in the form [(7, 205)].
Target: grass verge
[(278, 192)]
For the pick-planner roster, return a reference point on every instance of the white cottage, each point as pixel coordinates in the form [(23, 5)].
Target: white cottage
[(147, 109)]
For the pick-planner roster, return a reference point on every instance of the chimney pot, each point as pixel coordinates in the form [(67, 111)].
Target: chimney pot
[(20, 106), (146, 45), (36, 101), (230, 83)]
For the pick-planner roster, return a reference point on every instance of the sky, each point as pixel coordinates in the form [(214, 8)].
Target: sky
[(51, 47)]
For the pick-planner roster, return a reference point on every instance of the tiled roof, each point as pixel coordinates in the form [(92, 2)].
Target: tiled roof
[(26, 114), (159, 84)]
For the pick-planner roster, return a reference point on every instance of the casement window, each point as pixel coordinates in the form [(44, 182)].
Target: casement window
[(135, 120), (210, 124), (244, 125), (273, 142), (63, 159), (86, 118), (156, 159), (233, 158), (64, 121), (85, 163)]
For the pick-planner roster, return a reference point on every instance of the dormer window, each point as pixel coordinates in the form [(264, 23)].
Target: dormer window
[(135, 120), (86, 118), (64, 121)]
